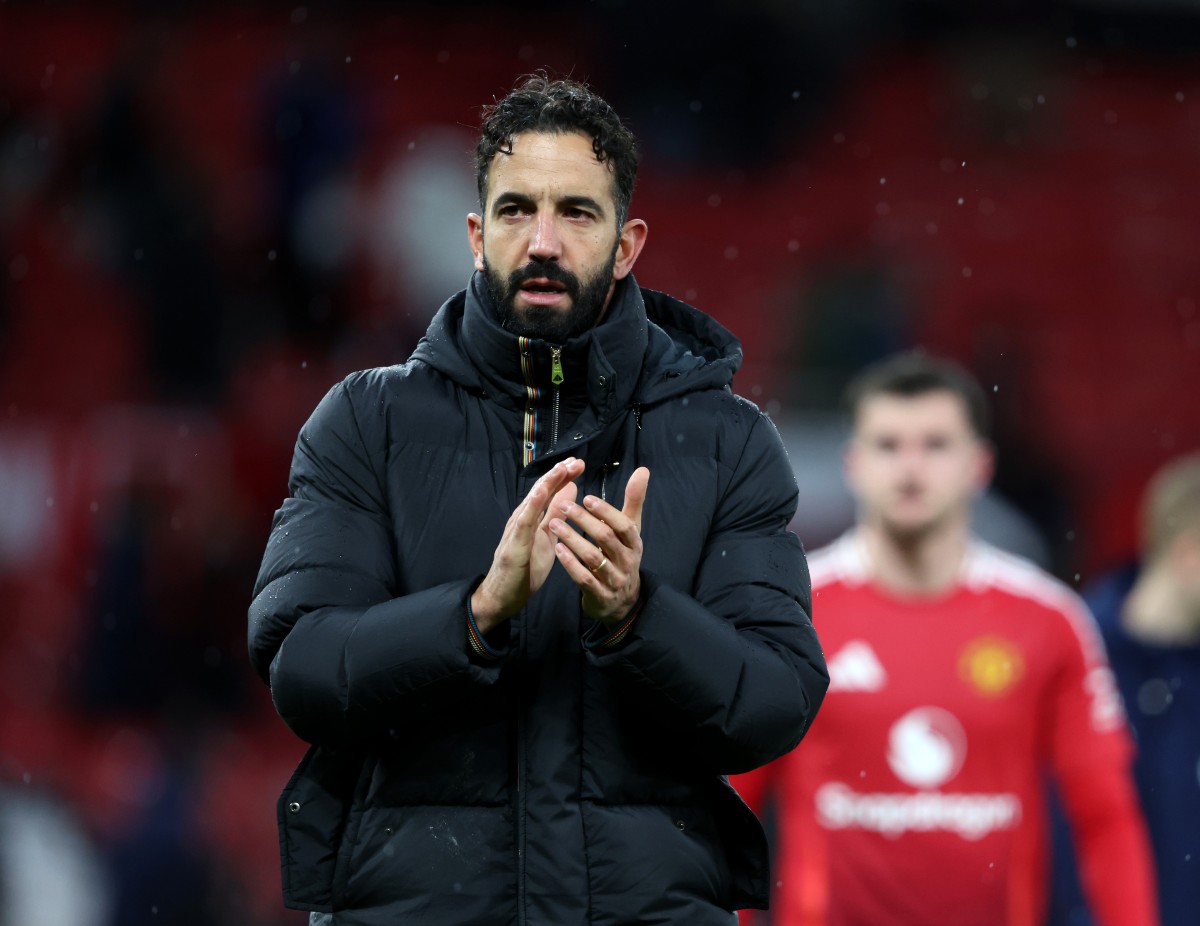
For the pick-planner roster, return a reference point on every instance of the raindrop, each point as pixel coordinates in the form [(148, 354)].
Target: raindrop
[(731, 253), (443, 56), (348, 59), (299, 14), (714, 200), (1071, 42), (50, 502), (1041, 99), (1179, 96), (960, 200), (272, 254), (882, 181), (967, 272), (695, 106), (1154, 696), (793, 245)]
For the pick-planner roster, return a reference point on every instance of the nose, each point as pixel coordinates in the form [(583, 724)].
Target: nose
[(545, 243)]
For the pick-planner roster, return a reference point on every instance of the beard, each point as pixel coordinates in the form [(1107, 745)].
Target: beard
[(544, 322)]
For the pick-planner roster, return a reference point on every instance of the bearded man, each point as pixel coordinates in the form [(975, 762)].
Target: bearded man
[(525, 670)]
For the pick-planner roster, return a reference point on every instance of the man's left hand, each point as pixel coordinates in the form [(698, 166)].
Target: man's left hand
[(601, 549)]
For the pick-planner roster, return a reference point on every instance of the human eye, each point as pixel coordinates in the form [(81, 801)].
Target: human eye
[(513, 208)]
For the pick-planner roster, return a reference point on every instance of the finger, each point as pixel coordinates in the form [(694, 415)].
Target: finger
[(607, 526), (597, 532), (580, 572), (562, 499), (582, 547), (550, 483), (635, 495)]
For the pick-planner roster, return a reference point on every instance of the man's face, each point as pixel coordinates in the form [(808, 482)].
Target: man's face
[(548, 242), (914, 464)]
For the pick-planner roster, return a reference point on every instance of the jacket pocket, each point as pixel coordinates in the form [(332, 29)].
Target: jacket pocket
[(312, 813), (745, 843), (655, 863)]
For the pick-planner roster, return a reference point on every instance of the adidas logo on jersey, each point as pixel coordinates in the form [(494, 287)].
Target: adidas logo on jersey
[(855, 667)]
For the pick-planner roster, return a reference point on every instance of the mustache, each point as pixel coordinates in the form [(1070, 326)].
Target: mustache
[(547, 271)]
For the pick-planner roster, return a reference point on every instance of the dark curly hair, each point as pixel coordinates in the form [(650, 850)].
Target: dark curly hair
[(539, 104)]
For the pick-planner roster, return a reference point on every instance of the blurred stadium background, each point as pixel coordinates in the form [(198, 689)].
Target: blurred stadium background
[(211, 212)]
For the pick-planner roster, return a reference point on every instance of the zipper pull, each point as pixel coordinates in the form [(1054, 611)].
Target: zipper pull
[(556, 373)]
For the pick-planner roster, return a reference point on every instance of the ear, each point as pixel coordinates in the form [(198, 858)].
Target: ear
[(985, 465), (475, 238), (629, 246)]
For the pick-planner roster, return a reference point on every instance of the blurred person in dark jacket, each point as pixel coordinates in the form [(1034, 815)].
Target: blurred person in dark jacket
[(525, 670), (1149, 614)]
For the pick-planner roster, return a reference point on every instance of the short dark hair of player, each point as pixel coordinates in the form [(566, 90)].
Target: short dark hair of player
[(915, 373), (540, 104)]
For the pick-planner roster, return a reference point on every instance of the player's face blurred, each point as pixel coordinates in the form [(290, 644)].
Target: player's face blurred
[(914, 463)]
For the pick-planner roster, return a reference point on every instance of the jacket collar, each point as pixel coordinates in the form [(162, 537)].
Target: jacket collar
[(647, 348)]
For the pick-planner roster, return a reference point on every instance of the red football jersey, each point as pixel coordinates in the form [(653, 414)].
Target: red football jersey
[(916, 799)]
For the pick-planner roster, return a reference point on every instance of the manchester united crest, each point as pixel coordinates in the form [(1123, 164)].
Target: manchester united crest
[(992, 665)]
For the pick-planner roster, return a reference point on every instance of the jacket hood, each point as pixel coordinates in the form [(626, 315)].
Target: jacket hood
[(648, 347)]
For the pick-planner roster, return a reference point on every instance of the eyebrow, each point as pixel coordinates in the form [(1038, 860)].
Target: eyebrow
[(573, 201)]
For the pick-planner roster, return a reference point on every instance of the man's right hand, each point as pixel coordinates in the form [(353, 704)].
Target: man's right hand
[(526, 550)]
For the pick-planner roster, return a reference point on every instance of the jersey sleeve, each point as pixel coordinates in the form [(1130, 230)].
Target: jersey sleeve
[(1091, 754)]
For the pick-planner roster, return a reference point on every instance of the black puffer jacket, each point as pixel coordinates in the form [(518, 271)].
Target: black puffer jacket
[(561, 783)]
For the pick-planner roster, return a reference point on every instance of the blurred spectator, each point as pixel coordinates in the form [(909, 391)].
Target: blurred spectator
[(1149, 613), (133, 170), (312, 117), (50, 872), (959, 676)]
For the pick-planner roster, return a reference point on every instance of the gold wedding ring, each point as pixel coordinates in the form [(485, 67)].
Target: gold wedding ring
[(600, 565)]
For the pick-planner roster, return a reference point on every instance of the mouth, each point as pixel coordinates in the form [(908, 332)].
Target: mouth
[(542, 291)]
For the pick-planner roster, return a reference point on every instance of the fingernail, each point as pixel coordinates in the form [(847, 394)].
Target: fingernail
[(590, 501)]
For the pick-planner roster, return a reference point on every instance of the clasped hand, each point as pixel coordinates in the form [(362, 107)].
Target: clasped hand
[(599, 545)]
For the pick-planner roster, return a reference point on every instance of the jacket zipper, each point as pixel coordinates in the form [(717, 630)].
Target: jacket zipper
[(556, 377)]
